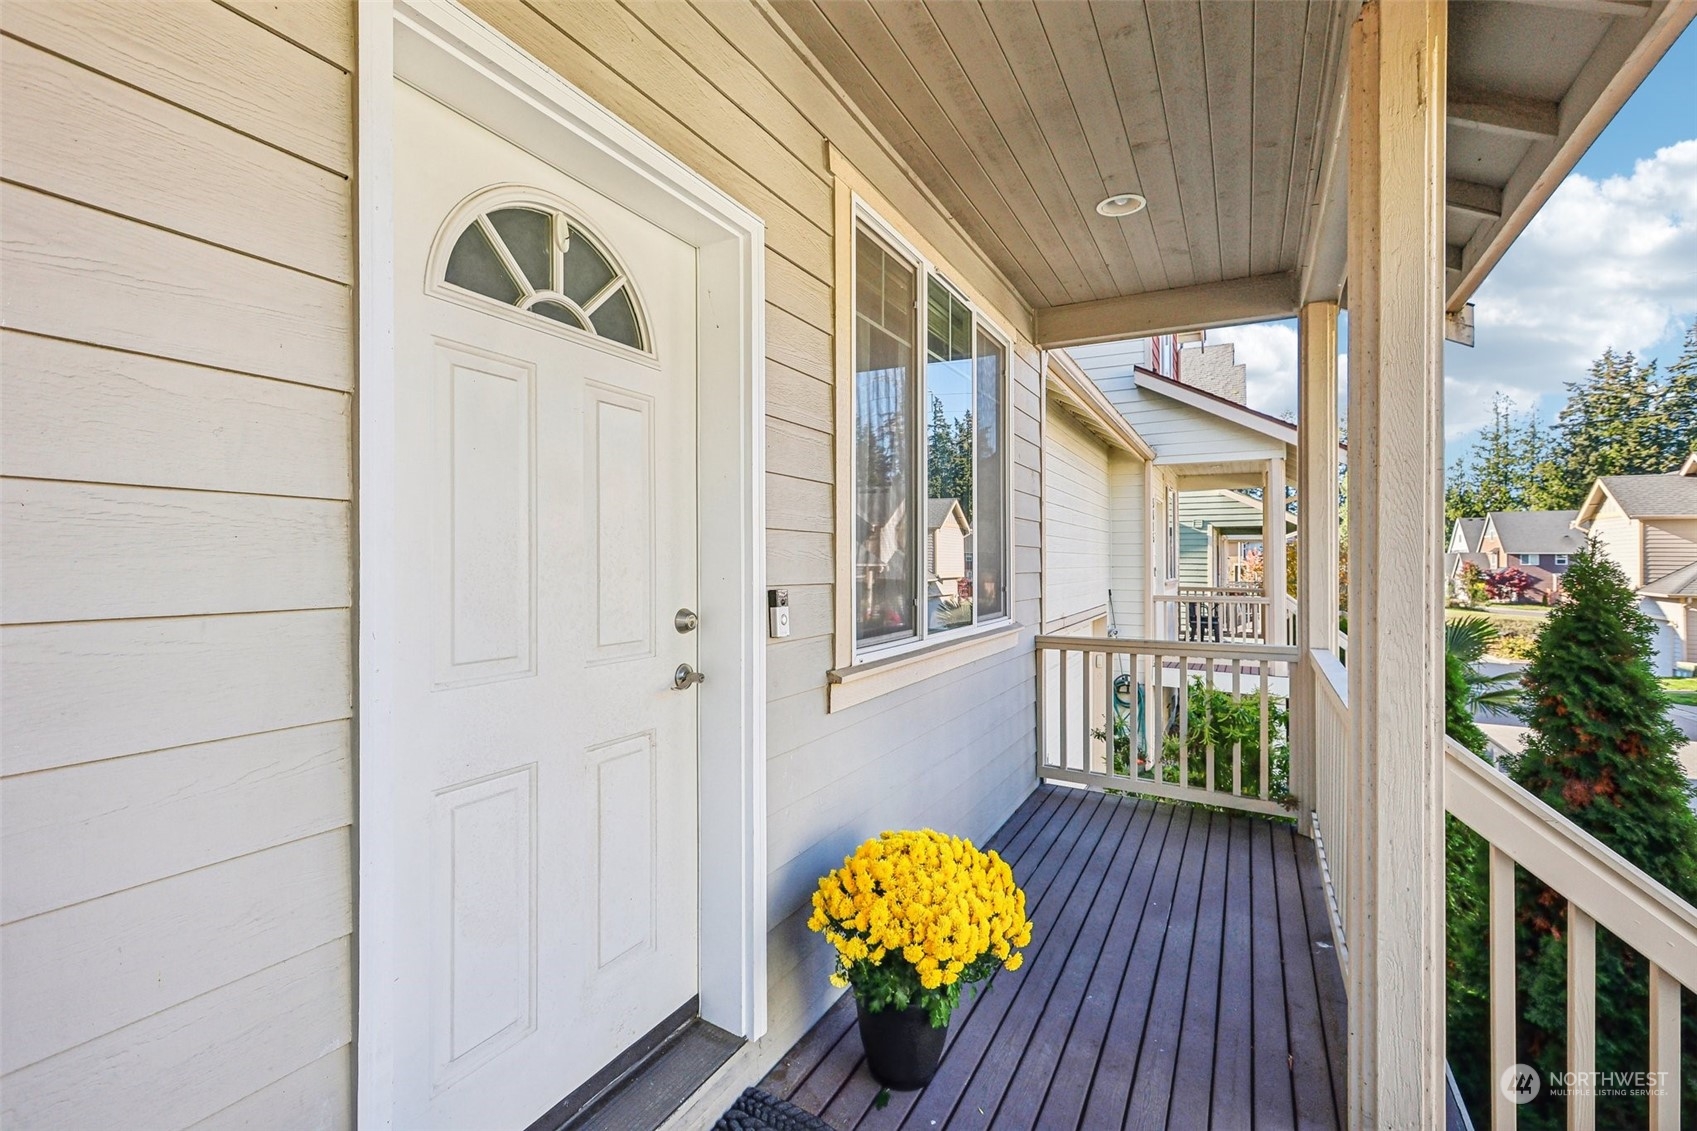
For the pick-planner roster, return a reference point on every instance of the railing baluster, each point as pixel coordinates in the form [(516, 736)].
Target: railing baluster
[(1502, 1001), (1237, 740), (1183, 756), (1581, 1018), (1664, 1050), (1157, 711), (1065, 710), (1265, 676), (1086, 658), (1110, 711)]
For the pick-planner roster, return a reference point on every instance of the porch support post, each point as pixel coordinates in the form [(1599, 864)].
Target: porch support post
[(1395, 919), (1316, 534), (1273, 550)]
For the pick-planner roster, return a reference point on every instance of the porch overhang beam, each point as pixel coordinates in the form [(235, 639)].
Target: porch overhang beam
[(1255, 298), (1500, 113), (1614, 70), (1628, 8), (1474, 199)]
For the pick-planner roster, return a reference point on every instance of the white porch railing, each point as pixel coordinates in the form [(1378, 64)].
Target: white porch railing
[(1212, 617), (1191, 722), (1601, 888), (1331, 809)]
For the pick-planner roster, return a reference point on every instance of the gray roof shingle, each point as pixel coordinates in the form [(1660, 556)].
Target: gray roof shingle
[(1537, 532), (1643, 495)]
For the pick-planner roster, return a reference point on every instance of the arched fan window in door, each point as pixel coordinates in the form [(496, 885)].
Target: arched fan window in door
[(537, 259)]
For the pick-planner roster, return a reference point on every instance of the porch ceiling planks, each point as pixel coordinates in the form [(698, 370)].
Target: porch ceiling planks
[(1032, 113), (1182, 970), (1019, 116)]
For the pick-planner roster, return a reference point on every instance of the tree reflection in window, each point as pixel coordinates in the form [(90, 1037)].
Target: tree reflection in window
[(539, 261)]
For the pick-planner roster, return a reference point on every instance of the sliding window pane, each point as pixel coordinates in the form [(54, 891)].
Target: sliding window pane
[(885, 583), (990, 524), (950, 446)]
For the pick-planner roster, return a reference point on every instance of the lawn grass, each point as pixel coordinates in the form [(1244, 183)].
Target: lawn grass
[(1682, 691)]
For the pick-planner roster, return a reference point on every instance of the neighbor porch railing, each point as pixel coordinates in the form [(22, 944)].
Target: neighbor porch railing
[(1190, 722), (1212, 616)]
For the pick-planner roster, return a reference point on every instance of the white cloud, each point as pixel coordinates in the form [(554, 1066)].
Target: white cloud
[(1604, 263)]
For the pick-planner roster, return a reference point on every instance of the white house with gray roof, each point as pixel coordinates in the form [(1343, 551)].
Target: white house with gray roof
[(1648, 524)]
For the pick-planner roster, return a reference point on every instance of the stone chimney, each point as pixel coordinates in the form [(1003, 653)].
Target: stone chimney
[(1213, 369)]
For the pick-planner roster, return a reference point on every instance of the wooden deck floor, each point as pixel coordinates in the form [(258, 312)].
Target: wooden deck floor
[(1182, 976)]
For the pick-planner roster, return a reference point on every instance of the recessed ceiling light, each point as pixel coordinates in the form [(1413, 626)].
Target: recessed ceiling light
[(1122, 204)]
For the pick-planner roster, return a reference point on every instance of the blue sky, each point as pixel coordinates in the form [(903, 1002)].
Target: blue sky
[(1611, 260)]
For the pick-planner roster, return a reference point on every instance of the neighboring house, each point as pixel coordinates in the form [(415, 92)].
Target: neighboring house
[(1538, 543), (416, 413), (1463, 550), (946, 536), (1202, 442), (1217, 530), (1648, 525)]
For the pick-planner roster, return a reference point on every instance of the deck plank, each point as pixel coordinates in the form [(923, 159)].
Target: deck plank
[(1019, 1030), (1063, 1105), (1182, 975), (1273, 1101), (1110, 1088), (1233, 1101), (1157, 1061), (934, 1106), (1193, 1075), (1051, 1037), (1310, 1071)]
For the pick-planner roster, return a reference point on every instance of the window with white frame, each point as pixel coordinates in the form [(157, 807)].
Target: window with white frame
[(1561, 559), (931, 489), (1528, 559)]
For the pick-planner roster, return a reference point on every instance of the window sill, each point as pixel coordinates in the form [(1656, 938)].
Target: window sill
[(852, 686)]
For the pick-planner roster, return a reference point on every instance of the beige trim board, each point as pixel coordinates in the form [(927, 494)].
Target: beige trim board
[(869, 679)]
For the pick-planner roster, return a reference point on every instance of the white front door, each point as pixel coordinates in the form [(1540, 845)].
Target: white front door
[(546, 885)]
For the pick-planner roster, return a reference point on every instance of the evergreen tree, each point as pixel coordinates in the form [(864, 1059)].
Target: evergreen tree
[(1602, 752), (1614, 423)]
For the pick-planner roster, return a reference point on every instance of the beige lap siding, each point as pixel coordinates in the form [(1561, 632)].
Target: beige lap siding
[(176, 366), (721, 87), (1076, 512)]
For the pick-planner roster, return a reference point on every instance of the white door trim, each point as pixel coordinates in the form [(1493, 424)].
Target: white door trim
[(450, 54)]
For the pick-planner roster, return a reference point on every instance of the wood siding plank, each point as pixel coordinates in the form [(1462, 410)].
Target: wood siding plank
[(93, 968), (74, 273), (799, 237), (168, 167), (79, 412), (197, 1058), (318, 1097), (142, 818), (78, 551), (207, 59), (324, 27), (1180, 59), (75, 693), (1280, 63)]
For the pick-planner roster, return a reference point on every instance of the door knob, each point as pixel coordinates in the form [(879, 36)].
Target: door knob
[(685, 621), (685, 676)]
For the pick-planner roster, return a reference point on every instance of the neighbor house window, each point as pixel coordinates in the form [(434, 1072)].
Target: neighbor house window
[(1528, 559), (930, 454), (1561, 559), (1172, 534)]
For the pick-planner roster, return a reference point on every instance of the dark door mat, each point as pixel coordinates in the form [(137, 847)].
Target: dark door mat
[(760, 1111)]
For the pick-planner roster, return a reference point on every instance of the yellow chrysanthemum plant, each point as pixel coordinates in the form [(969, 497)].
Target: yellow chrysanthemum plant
[(916, 915)]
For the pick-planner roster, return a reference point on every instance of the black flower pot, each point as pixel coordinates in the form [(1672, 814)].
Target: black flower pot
[(902, 1049)]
